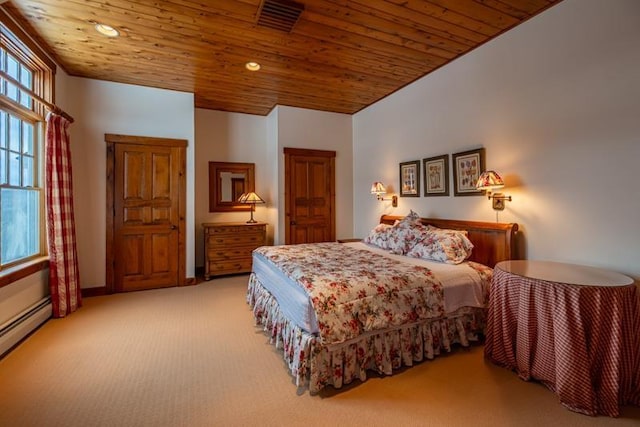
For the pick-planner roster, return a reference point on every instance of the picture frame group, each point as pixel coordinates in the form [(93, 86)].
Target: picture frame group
[(467, 167)]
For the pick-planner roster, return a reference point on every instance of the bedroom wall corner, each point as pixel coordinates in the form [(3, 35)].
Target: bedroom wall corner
[(319, 130), (273, 194), (230, 137)]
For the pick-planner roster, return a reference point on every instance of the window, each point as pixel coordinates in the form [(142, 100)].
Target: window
[(21, 145)]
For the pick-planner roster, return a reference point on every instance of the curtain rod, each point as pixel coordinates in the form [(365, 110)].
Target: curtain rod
[(52, 107)]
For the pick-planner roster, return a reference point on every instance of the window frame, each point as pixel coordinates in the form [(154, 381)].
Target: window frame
[(20, 46), (38, 184)]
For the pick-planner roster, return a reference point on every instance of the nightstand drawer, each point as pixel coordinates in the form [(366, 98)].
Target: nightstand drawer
[(221, 254), (229, 267), (235, 239), (234, 229)]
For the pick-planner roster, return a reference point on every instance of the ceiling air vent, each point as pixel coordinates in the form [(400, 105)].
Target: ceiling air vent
[(279, 14)]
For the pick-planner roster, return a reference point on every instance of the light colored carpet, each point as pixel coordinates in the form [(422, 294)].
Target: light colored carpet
[(193, 357)]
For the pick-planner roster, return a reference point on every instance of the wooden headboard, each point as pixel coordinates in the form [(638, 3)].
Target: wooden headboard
[(492, 242)]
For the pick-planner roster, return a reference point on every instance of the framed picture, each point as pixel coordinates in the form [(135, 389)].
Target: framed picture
[(467, 167), (436, 176), (410, 179)]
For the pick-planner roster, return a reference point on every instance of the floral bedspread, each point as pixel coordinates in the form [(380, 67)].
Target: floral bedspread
[(355, 291)]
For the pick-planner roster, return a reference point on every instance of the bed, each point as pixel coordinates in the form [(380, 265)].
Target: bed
[(338, 310)]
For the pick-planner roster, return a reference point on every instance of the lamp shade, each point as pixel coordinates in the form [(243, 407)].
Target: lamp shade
[(251, 197), (489, 180), (378, 188)]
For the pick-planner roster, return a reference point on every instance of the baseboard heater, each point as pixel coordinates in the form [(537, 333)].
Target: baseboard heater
[(21, 325)]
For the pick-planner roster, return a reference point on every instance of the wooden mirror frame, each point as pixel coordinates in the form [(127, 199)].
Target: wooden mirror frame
[(215, 185)]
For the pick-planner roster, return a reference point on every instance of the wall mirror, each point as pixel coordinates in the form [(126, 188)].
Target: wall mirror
[(227, 181)]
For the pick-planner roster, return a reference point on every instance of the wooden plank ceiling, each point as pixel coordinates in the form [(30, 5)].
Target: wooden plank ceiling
[(341, 55)]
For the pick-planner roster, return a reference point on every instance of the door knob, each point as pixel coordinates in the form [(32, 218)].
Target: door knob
[(292, 223)]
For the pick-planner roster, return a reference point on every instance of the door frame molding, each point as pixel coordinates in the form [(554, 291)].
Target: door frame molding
[(112, 140)]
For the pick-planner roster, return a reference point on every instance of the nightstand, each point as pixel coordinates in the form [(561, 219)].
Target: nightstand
[(349, 240), (228, 246)]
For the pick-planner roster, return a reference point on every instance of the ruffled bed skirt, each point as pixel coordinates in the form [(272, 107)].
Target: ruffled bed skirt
[(315, 365)]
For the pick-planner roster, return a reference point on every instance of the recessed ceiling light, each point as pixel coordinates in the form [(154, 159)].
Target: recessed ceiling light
[(252, 66), (107, 30)]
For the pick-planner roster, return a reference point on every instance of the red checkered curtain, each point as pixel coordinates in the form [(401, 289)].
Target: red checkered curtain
[(64, 280)]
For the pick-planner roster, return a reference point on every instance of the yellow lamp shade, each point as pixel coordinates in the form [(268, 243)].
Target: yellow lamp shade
[(378, 188), (250, 198), (489, 180)]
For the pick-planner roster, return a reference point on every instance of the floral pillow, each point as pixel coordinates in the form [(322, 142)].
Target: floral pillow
[(448, 246), (412, 219), (464, 236), (397, 237), (405, 237), (380, 236)]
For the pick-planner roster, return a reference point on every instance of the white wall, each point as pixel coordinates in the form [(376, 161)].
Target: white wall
[(100, 107), (230, 137), (318, 130), (556, 103), (272, 159)]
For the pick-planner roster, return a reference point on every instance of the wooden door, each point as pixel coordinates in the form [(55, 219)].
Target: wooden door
[(309, 196), (148, 224)]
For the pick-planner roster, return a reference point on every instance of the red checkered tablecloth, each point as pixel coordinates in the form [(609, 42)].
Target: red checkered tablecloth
[(582, 342)]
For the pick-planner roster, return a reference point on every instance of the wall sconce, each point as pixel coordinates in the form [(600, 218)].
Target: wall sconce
[(489, 181), (250, 198), (379, 189)]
